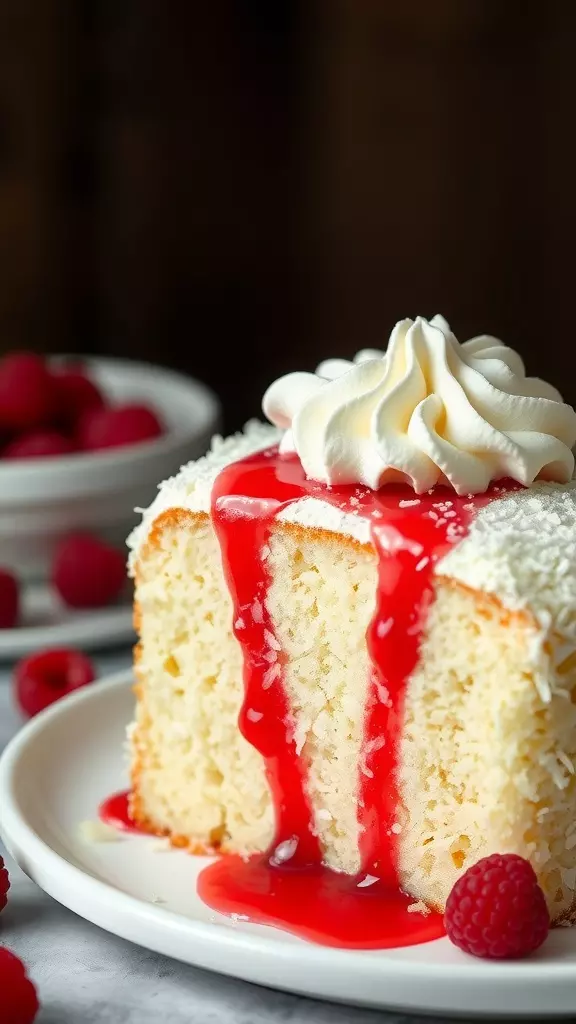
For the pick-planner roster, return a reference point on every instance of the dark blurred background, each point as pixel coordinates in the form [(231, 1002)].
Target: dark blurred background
[(239, 189)]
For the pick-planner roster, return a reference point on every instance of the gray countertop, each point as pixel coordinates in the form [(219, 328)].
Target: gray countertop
[(85, 975)]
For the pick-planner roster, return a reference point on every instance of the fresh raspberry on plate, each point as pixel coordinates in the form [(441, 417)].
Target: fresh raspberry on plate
[(37, 444), (76, 394), (119, 426), (87, 572), (26, 392), (18, 999), (9, 600), (497, 910), (43, 678), (4, 885)]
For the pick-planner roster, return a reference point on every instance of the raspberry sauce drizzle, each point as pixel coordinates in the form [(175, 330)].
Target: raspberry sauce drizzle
[(115, 811), (289, 886)]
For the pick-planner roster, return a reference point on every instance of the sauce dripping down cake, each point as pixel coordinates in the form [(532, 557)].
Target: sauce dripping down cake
[(357, 643)]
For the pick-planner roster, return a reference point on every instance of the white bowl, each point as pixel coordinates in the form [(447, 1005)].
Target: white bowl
[(41, 500)]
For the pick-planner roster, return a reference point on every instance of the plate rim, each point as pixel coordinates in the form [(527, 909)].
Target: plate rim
[(19, 641), (40, 858)]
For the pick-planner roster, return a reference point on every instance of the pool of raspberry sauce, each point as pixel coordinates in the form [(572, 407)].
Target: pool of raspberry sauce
[(115, 811), (289, 887)]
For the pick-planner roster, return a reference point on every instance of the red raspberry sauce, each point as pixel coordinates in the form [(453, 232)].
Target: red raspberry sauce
[(410, 534), (299, 893), (115, 811)]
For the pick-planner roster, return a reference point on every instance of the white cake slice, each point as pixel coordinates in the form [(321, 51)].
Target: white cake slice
[(486, 746)]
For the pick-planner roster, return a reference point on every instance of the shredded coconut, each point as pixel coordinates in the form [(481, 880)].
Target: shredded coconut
[(367, 880), (384, 627), (418, 908), (284, 851), (521, 547), (272, 641), (522, 556), (254, 716), (323, 814), (257, 611), (98, 832), (270, 675)]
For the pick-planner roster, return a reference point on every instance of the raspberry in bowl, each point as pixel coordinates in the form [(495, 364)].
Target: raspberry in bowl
[(87, 572), (84, 444), (27, 396), (114, 428), (9, 600)]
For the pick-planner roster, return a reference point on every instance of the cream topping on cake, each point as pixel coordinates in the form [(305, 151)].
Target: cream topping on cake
[(429, 410), (529, 534)]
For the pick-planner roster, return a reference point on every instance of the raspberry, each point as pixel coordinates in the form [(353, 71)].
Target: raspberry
[(76, 394), (18, 999), (497, 909), (38, 444), (86, 572), (43, 678), (26, 392), (4, 885), (9, 600), (123, 425)]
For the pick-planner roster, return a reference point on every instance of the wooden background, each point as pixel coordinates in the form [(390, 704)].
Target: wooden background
[(239, 189)]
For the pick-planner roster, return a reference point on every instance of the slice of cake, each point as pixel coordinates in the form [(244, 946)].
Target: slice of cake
[(357, 628)]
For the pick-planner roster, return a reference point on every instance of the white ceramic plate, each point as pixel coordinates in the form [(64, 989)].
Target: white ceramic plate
[(52, 777), (47, 623)]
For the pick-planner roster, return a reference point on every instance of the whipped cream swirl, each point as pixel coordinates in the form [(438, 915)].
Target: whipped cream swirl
[(429, 410)]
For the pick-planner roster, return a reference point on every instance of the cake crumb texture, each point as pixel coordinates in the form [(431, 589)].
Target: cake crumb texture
[(321, 600), (486, 761), (194, 775), (488, 750)]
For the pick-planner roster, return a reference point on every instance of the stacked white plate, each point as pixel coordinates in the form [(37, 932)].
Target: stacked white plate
[(42, 500)]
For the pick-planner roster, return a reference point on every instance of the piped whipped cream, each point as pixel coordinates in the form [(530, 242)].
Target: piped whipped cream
[(429, 410)]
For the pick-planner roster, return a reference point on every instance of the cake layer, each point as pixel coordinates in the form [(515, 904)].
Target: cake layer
[(488, 741)]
